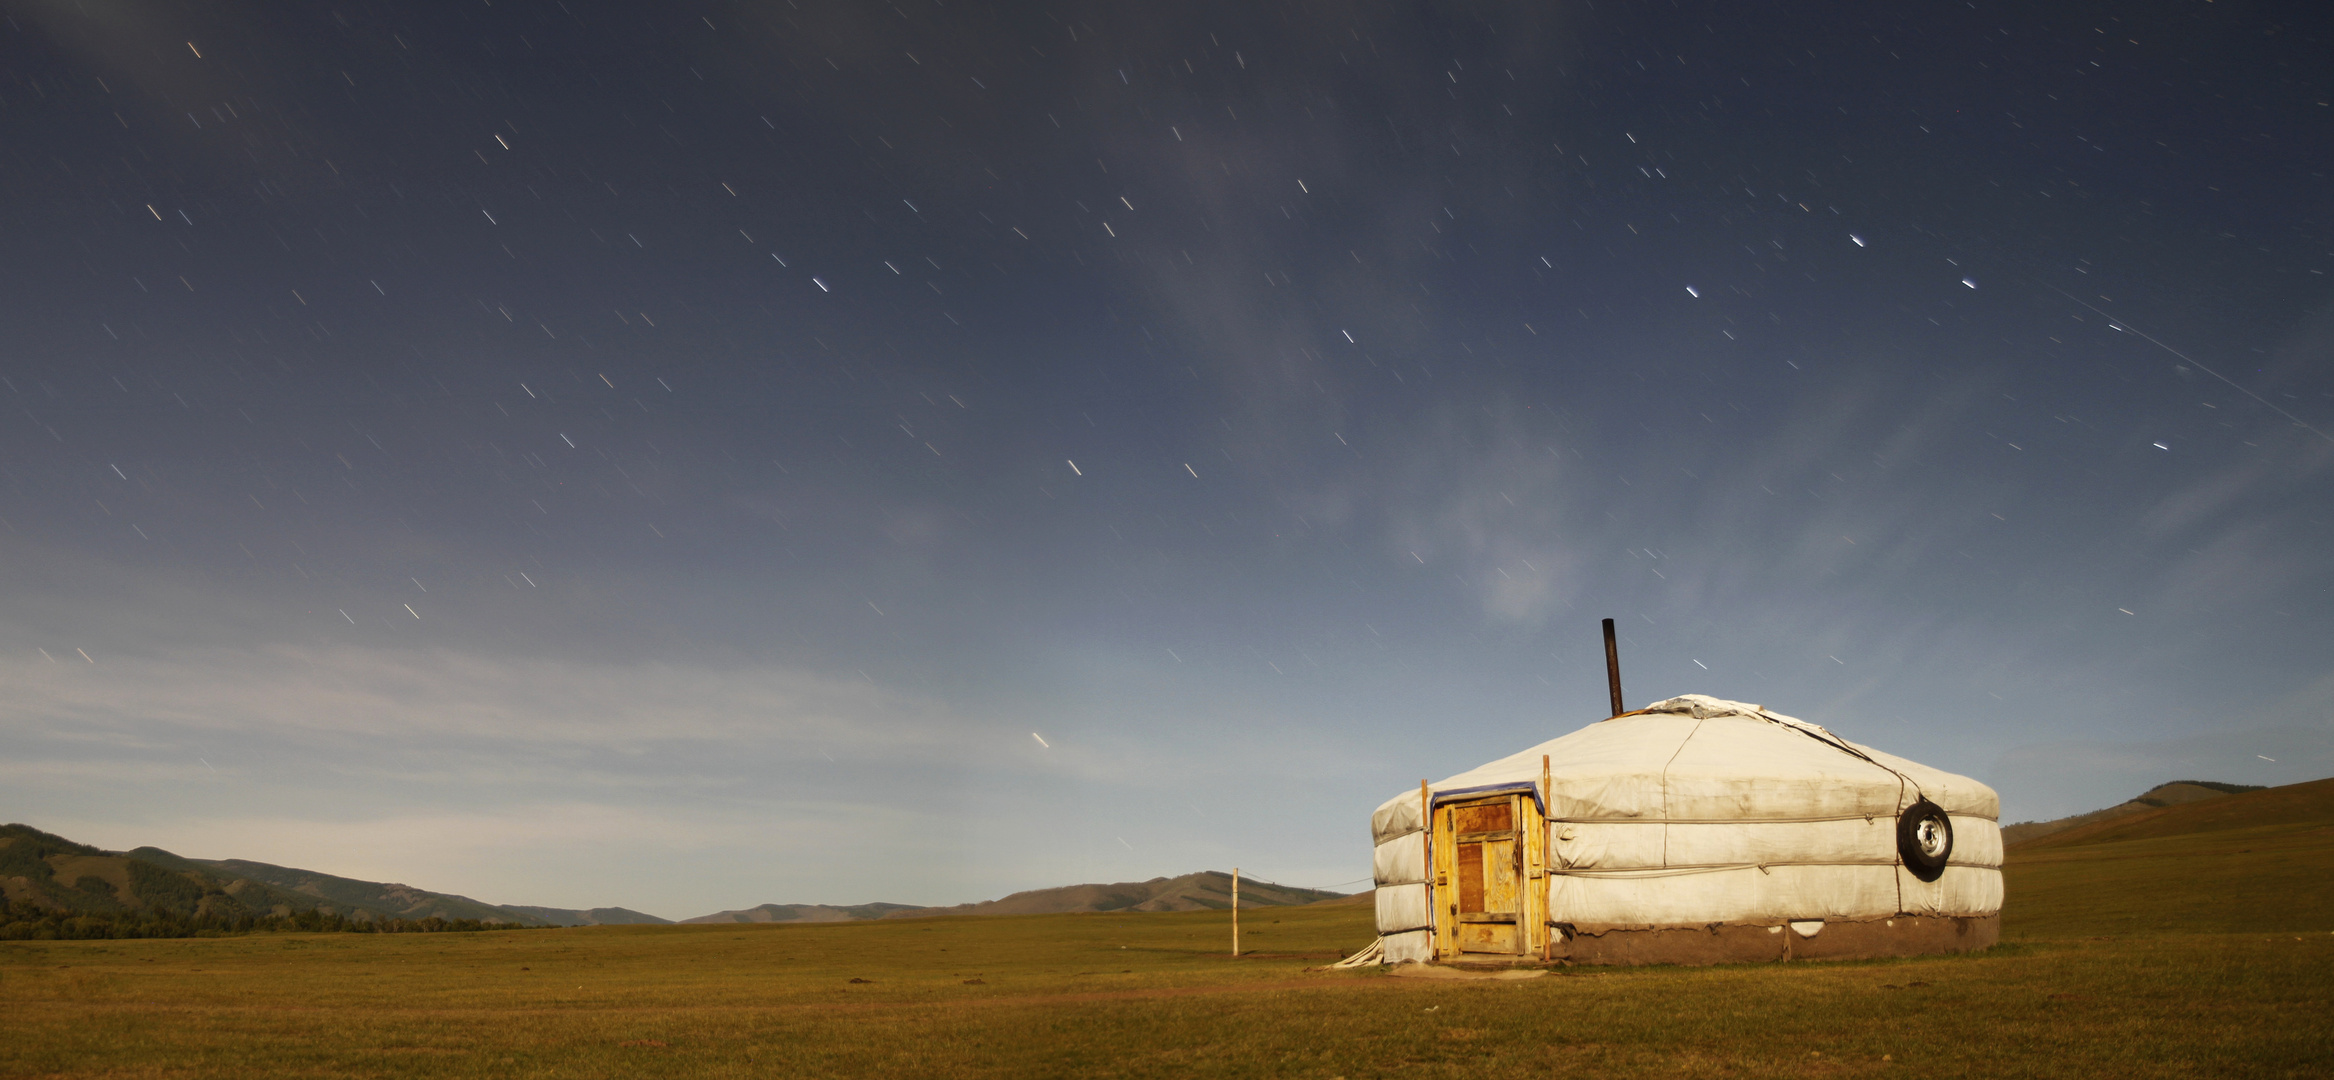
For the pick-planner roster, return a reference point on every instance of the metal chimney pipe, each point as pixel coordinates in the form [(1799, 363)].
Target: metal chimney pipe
[(1613, 668)]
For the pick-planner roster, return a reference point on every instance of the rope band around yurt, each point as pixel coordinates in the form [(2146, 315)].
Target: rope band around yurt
[(1708, 868), (1730, 821)]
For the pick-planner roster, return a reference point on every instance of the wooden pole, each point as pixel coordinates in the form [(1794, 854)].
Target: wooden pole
[(1426, 862), (1547, 860), (1235, 911)]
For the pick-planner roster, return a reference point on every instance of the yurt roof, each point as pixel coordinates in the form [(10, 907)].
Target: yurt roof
[(1702, 759)]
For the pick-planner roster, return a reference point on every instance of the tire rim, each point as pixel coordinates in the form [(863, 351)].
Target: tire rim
[(1931, 836)]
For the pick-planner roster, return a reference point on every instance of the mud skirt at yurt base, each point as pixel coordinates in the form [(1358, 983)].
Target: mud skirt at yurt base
[(1694, 831)]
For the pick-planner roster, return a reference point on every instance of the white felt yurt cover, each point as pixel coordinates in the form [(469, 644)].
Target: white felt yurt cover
[(1696, 811)]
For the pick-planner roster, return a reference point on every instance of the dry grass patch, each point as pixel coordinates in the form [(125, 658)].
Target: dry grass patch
[(1129, 996)]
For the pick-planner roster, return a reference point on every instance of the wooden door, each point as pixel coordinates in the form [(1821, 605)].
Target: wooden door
[(1484, 903)]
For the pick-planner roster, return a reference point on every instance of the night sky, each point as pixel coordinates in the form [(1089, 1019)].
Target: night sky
[(694, 456)]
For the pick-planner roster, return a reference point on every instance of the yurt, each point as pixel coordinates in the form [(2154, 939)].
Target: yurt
[(1695, 830)]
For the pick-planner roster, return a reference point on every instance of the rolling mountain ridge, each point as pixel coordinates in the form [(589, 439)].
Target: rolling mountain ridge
[(43, 872), (346, 896), (2161, 795), (2307, 806), (803, 913), (599, 916), (1208, 890)]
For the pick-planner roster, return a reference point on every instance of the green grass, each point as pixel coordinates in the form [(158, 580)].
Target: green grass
[(2266, 878), (2258, 861), (2204, 954)]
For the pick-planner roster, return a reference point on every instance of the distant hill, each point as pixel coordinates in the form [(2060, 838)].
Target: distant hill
[(44, 872), (1208, 890), (599, 916), (2309, 804), (2162, 795), (41, 871), (804, 913), (347, 896), (2254, 861)]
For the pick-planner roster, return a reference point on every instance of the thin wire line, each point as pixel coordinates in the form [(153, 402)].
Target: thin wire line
[(2121, 324)]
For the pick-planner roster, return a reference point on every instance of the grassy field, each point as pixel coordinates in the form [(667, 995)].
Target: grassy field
[(2147, 954)]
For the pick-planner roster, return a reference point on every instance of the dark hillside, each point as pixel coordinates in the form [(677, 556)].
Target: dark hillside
[(805, 913), (44, 872), (365, 899), (599, 916), (2290, 804), (2259, 861), (2162, 795), (44, 877), (1208, 890)]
